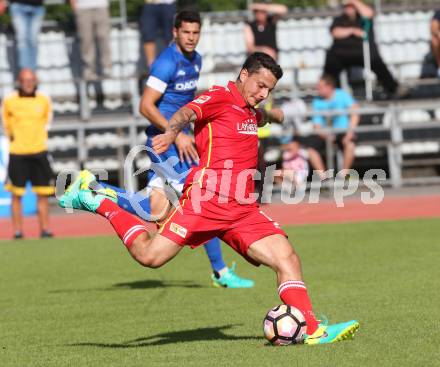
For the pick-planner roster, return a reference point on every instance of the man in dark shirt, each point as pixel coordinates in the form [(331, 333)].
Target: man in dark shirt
[(260, 34), (348, 31)]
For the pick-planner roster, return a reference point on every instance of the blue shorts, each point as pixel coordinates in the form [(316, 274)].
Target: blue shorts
[(167, 167), (154, 17)]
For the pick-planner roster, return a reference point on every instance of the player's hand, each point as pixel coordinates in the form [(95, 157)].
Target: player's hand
[(186, 147), (162, 142), (278, 115)]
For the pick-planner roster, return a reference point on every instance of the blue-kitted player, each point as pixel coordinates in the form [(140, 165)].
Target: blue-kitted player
[(171, 85)]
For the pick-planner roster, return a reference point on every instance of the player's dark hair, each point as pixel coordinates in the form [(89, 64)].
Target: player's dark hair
[(189, 16), (328, 79), (259, 60)]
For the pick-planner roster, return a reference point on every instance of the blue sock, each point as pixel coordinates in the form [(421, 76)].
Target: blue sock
[(134, 202), (214, 252)]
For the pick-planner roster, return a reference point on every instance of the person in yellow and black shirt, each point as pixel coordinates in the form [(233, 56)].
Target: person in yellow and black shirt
[(26, 115)]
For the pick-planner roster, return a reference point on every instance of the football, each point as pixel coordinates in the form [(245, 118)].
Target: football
[(284, 325)]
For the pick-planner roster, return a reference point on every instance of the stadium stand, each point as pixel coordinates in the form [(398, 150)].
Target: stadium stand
[(392, 136), (403, 39)]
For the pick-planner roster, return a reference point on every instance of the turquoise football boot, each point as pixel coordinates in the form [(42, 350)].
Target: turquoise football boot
[(91, 200), (90, 182), (332, 333), (70, 199), (231, 280), (79, 196)]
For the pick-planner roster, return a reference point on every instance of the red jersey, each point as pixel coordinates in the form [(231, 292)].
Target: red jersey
[(226, 140), (227, 143)]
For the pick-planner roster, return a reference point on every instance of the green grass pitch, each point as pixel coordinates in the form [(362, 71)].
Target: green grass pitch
[(84, 302)]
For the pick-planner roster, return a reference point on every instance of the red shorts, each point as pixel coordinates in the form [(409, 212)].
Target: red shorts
[(239, 225)]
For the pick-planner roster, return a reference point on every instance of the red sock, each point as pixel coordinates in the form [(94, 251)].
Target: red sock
[(294, 293), (126, 226)]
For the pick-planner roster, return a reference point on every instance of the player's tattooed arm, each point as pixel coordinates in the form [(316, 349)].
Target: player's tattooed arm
[(274, 115), (184, 143), (182, 118)]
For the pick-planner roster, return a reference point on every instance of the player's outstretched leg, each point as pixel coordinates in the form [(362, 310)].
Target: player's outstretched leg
[(276, 252), (222, 275), (152, 206), (149, 252), (140, 205), (136, 203)]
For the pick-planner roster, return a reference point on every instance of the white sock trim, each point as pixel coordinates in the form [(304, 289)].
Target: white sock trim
[(131, 231), (291, 284)]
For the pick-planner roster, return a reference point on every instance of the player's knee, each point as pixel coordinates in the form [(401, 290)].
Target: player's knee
[(149, 261), (141, 251), (288, 261), (292, 260)]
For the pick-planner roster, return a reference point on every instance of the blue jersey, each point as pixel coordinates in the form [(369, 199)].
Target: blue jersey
[(176, 77)]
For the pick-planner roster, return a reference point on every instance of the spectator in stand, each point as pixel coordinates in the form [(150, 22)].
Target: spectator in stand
[(26, 117), (348, 31), (93, 21), (294, 166), (435, 39), (260, 34), (157, 15), (26, 16), (330, 99)]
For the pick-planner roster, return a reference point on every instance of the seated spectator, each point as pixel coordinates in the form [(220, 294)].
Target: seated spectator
[(294, 166), (347, 49), (26, 16), (330, 99), (26, 117), (260, 34), (157, 17), (435, 39), (93, 21)]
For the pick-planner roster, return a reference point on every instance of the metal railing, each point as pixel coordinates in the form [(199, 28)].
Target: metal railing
[(130, 82), (395, 129), (392, 141)]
